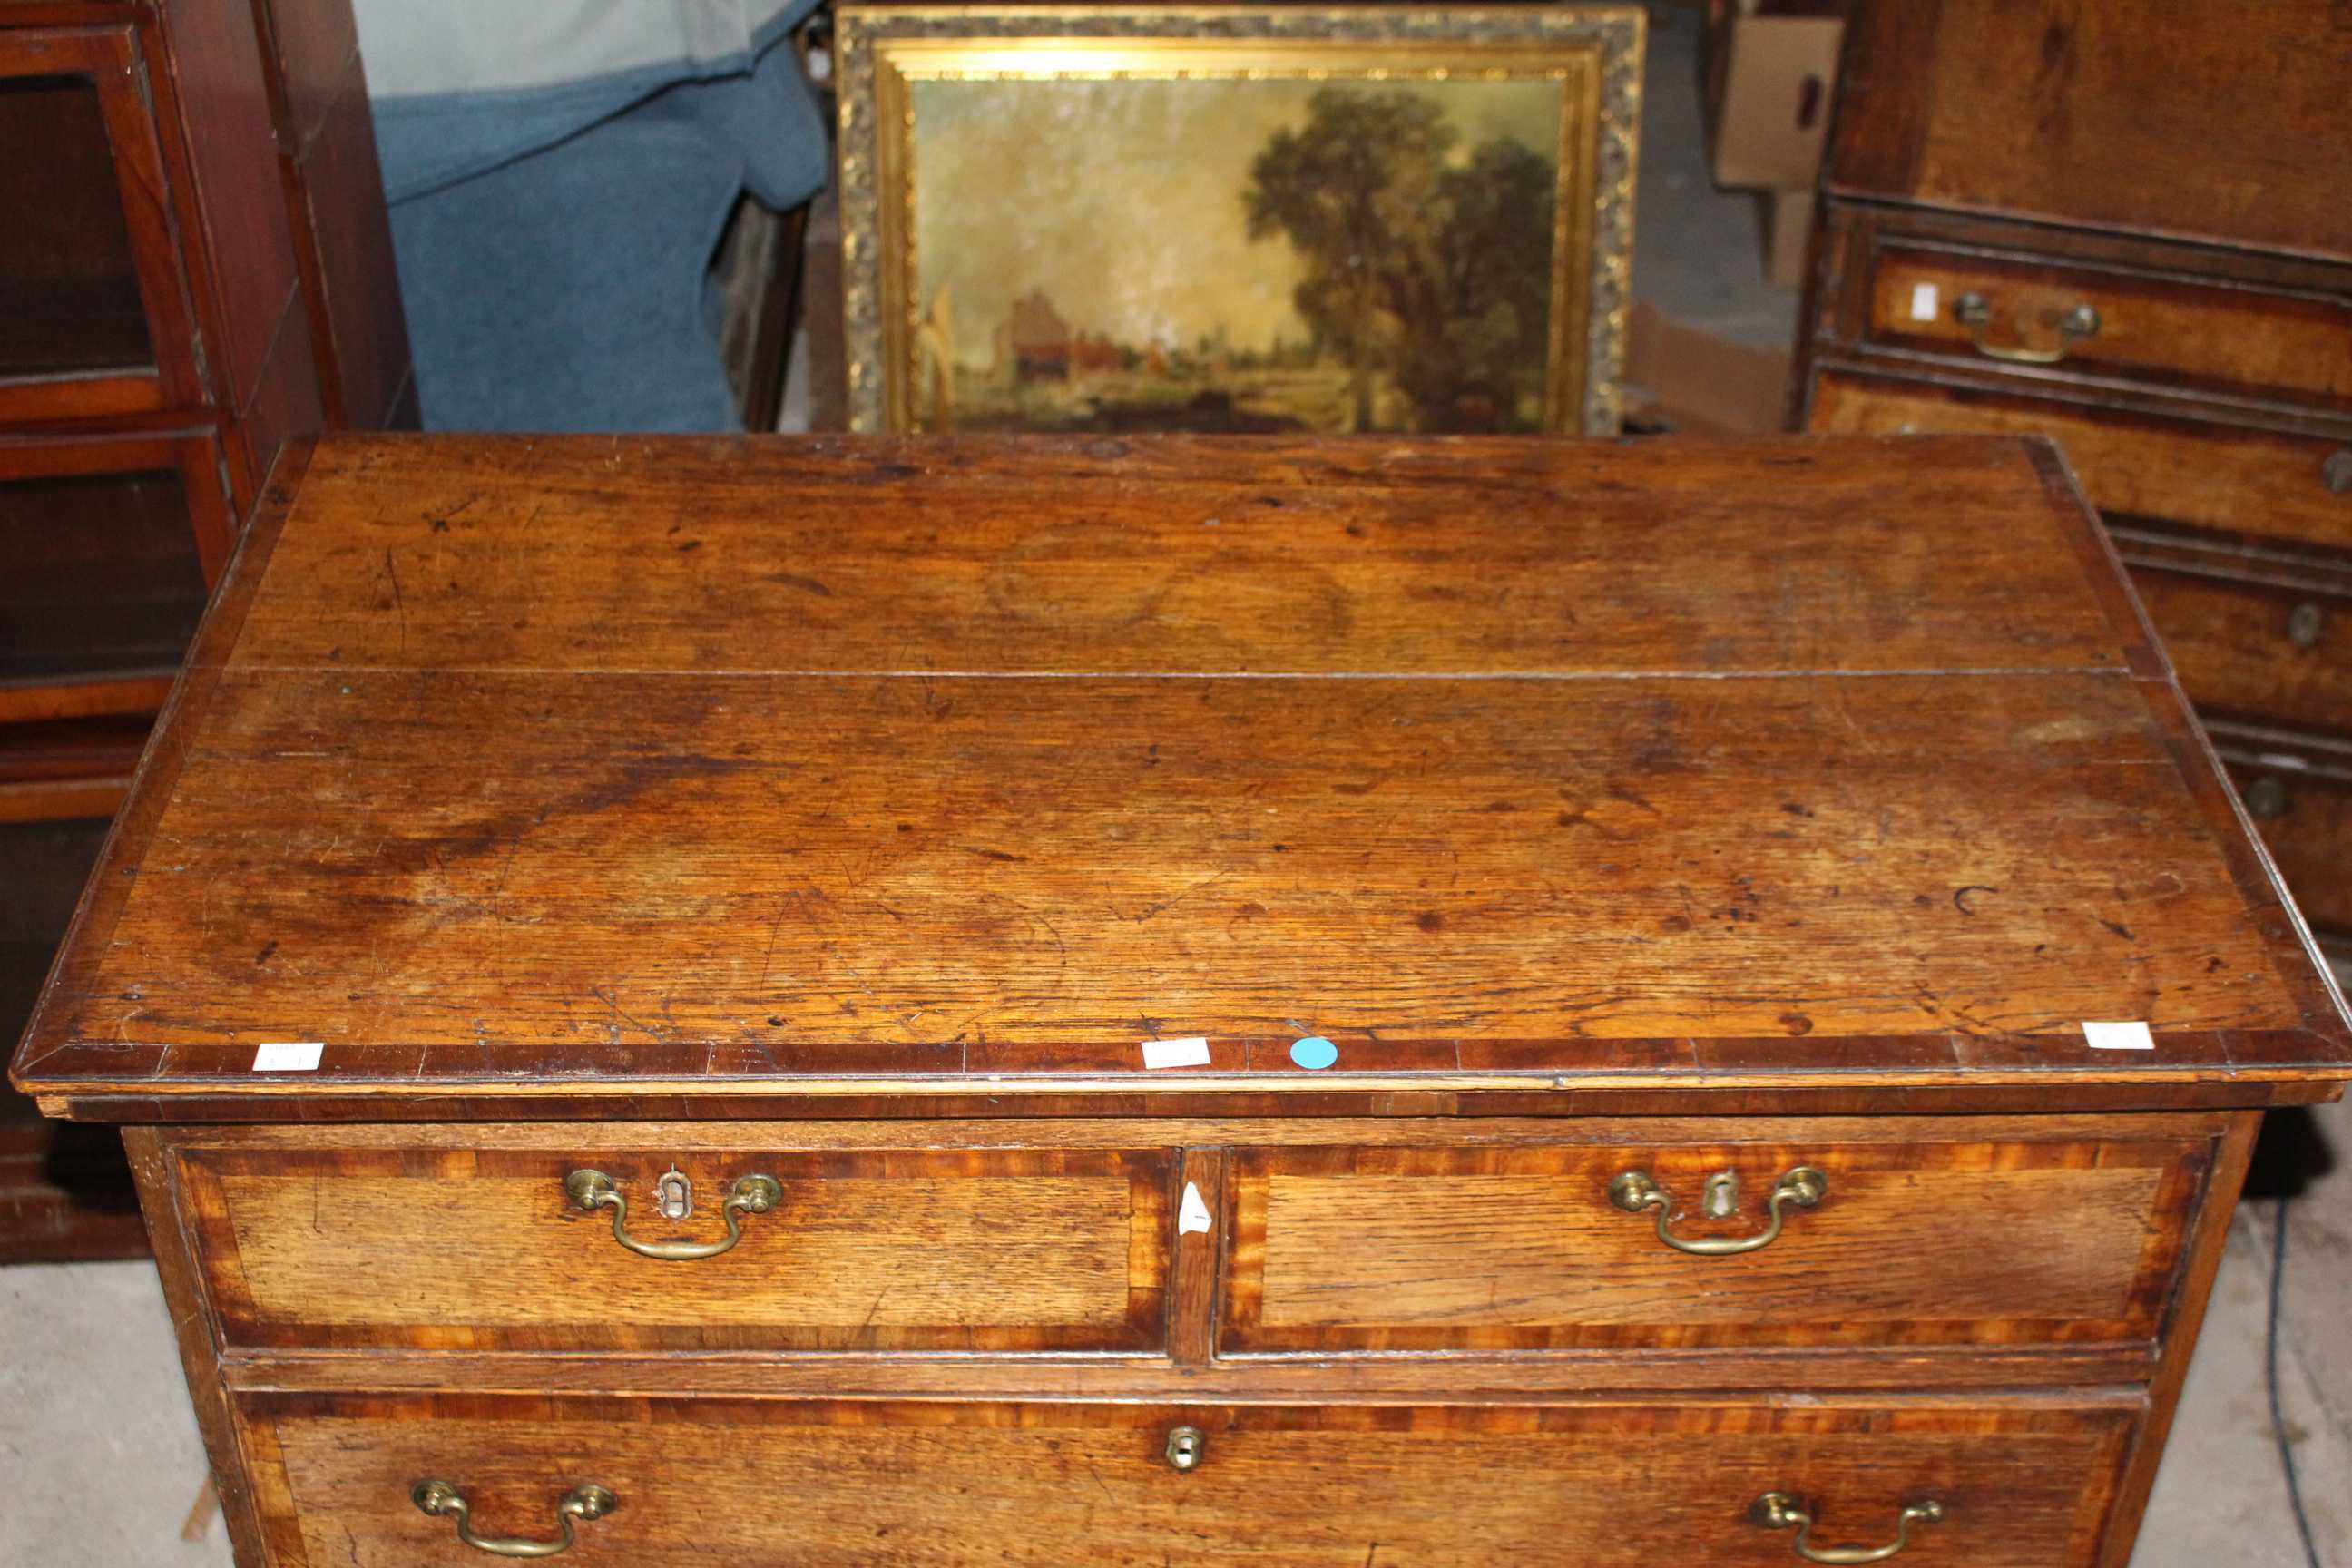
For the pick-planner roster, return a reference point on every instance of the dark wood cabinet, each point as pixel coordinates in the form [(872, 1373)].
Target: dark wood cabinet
[(2123, 223), (194, 266)]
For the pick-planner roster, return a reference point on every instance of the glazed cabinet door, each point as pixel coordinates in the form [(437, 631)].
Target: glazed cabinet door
[(108, 546), (94, 317), (399, 1482)]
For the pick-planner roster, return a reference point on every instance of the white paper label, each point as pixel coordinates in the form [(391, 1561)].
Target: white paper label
[(1192, 1215), (1191, 1053), (2132, 1036), (1924, 301), (287, 1056)]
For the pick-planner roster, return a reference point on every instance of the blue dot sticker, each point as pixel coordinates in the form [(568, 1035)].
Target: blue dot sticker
[(1314, 1052)]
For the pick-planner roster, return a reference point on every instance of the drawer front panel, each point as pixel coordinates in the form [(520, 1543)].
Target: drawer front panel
[(1921, 1243), (2253, 650), (2256, 482), (747, 1483), (2305, 820), (2169, 332), (861, 1250)]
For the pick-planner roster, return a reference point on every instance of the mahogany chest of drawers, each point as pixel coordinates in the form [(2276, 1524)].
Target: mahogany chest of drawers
[(2123, 223), (1293, 1003)]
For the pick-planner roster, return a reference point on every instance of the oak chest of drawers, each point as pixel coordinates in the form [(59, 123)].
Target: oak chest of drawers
[(1291, 1002), (2123, 223)]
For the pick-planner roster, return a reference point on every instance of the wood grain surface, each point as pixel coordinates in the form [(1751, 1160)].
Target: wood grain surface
[(584, 767), (2107, 115), (2206, 334), (480, 1248), (2256, 651), (1494, 1249), (2238, 478), (1174, 556), (803, 1482)]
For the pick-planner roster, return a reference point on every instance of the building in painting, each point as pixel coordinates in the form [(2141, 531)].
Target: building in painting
[(1035, 339)]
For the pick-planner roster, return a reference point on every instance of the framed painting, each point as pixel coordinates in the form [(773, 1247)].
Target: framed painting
[(1243, 219)]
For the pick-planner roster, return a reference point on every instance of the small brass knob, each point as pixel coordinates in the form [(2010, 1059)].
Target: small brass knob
[(2266, 797), (2337, 471), (1186, 1448)]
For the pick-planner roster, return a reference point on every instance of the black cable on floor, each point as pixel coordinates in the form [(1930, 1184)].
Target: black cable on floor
[(2270, 1379)]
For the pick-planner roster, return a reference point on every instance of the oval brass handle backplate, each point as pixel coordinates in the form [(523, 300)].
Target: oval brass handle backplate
[(1779, 1511), (592, 1190), (1976, 310), (443, 1500), (1803, 1187)]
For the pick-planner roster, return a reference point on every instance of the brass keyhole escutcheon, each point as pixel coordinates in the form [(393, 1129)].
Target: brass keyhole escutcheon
[(1721, 1198), (674, 1195), (1187, 1445)]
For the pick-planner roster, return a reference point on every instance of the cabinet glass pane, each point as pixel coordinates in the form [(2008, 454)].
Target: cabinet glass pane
[(68, 290), (98, 575)]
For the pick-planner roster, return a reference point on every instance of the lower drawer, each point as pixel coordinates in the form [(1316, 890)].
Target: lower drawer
[(2306, 819), (2263, 652), (2251, 481), (748, 1482)]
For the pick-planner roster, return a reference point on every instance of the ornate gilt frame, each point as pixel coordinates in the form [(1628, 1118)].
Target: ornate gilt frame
[(1594, 51)]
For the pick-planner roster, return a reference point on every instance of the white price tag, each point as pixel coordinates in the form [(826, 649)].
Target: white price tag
[(2131, 1036), (287, 1056), (1187, 1053), (1926, 302)]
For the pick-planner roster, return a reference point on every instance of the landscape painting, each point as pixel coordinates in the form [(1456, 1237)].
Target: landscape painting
[(1382, 232), (1234, 255)]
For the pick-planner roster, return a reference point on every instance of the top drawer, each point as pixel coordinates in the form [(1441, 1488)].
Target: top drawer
[(2162, 329), (491, 1248), (1929, 1231)]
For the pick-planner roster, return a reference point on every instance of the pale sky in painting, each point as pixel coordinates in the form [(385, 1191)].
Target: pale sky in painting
[(1122, 199)]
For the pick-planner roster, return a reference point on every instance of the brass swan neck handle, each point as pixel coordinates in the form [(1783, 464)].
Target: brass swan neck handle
[(1779, 1511), (592, 1190), (442, 1500), (1803, 1187)]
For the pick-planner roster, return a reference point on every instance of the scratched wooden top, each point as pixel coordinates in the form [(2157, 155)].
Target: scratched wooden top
[(513, 767)]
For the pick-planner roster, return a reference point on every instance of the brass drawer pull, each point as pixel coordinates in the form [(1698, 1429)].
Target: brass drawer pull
[(592, 1190), (1635, 1191), (1779, 1511), (1976, 310), (2336, 472), (443, 1500), (1187, 1447), (2307, 624)]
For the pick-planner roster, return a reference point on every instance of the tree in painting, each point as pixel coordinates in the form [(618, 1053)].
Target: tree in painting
[(1433, 272)]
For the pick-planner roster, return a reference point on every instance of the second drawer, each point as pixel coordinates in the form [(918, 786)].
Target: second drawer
[(1949, 1236)]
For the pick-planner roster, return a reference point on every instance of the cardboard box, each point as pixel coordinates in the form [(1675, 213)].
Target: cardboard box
[(1681, 378), (1770, 82), (1787, 226)]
